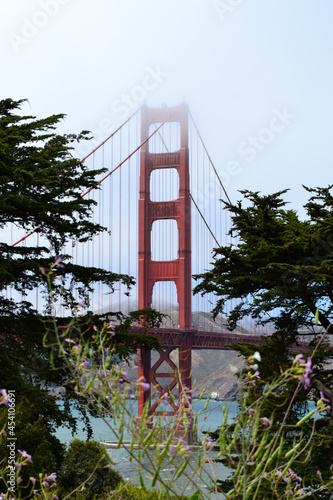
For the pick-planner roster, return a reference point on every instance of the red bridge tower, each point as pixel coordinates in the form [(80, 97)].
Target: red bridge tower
[(178, 270)]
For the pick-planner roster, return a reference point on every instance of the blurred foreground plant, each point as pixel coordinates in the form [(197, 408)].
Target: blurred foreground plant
[(262, 461)]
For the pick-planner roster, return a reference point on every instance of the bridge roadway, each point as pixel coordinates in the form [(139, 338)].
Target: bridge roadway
[(173, 337)]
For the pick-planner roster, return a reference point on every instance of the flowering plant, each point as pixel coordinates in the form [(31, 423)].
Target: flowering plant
[(262, 461)]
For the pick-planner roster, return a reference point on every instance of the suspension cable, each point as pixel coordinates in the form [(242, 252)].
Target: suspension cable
[(209, 158), (109, 173), (203, 218)]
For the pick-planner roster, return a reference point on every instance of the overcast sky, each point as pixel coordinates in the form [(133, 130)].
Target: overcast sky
[(256, 74)]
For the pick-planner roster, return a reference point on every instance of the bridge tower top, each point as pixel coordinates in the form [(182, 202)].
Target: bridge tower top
[(178, 270)]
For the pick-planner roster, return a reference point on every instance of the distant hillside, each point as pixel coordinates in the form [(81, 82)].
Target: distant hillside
[(213, 370)]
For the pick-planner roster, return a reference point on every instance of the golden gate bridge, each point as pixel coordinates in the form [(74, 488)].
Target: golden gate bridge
[(161, 203)]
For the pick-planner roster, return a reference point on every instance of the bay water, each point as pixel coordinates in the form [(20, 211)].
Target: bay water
[(209, 419)]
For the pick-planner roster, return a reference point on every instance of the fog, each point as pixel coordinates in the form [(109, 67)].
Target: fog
[(257, 76)]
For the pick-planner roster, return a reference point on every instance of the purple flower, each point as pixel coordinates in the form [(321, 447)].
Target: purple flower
[(307, 371), (294, 476), (112, 328), (25, 455), (123, 377), (323, 398), (251, 411), (76, 349), (58, 262), (318, 473), (266, 421), (207, 442), (33, 480), (142, 383), (164, 398), (299, 359), (85, 363), (42, 270), (257, 374), (18, 465)]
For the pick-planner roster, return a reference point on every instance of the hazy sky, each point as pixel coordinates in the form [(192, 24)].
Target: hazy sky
[(257, 76)]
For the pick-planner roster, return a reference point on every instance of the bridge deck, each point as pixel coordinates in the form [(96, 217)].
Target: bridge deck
[(172, 337), (201, 339)]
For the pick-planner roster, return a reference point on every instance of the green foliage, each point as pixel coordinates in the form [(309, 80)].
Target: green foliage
[(41, 183), (86, 469), (128, 491), (269, 447), (280, 264), (280, 270), (32, 434), (40, 189), (263, 454)]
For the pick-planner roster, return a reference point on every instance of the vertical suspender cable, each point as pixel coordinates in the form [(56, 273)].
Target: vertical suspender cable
[(129, 193), (110, 212), (137, 203), (37, 287), (120, 150)]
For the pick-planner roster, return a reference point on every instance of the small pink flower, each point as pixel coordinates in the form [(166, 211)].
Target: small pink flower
[(25, 455), (112, 328), (299, 359), (58, 262), (5, 398), (305, 377), (323, 398)]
